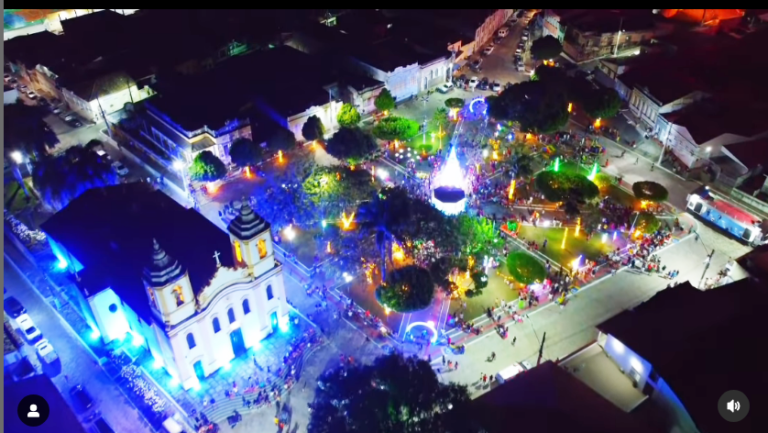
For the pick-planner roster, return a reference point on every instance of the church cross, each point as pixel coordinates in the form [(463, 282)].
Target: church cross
[(216, 256)]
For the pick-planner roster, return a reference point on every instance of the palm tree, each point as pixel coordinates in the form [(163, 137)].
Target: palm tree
[(26, 136), (62, 178), (521, 165), (384, 216)]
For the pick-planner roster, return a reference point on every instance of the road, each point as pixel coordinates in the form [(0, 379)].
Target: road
[(572, 327), (77, 364)]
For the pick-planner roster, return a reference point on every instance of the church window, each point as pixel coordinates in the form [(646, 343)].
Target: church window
[(113, 308), (238, 252), (191, 341), (231, 315), (178, 295), (246, 307), (216, 325), (269, 293), (262, 245)]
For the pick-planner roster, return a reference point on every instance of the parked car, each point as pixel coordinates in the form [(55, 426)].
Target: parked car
[(519, 50), (445, 87), (484, 84), (496, 87), (120, 168), (73, 121), (28, 328), (503, 32), (101, 426), (56, 110), (31, 95), (475, 65), (488, 50), (24, 88), (43, 102), (13, 307), (524, 37), (520, 66), (461, 80), (473, 82), (6, 77), (13, 81), (497, 40), (45, 351), (81, 396), (512, 21)]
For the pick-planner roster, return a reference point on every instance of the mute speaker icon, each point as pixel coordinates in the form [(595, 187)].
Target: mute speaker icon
[(733, 405)]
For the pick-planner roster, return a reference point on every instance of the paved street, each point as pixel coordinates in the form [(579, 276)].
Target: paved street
[(77, 365), (572, 327)]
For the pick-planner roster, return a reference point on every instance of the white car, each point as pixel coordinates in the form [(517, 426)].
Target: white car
[(524, 37), (473, 82), (45, 351), (120, 168), (488, 50), (28, 328), (445, 87), (512, 21), (518, 50), (31, 94), (496, 87)]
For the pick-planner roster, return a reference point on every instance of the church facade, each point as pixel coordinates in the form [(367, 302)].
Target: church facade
[(195, 305)]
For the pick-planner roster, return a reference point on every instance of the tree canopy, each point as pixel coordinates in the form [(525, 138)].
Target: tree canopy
[(546, 48), (454, 103), (538, 107), (313, 129), (26, 131), (477, 234), (384, 101), (525, 268), (440, 117), (245, 152), (62, 178), (348, 116), (207, 167), (352, 144), (602, 103), (281, 139), (409, 288), (391, 395), (333, 190), (282, 199), (647, 223), (395, 128), (650, 191), (559, 185)]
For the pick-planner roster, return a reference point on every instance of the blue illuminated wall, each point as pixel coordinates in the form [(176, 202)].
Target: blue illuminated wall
[(66, 260)]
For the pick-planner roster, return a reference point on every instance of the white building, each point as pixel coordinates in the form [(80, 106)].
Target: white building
[(206, 301)]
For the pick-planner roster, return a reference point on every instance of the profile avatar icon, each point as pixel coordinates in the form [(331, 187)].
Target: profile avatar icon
[(33, 410), (33, 413)]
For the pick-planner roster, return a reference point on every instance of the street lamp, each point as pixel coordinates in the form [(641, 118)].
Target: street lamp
[(17, 157)]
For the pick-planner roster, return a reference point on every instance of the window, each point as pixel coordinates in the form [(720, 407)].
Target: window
[(262, 246), (178, 295), (113, 308), (216, 325), (191, 341), (238, 252), (231, 315), (269, 293), (246, 307)]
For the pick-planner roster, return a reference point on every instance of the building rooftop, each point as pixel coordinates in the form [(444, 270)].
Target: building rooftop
[(750, 153), (390, 54), (707, 120), (600, 21), (111, 230), (756, 262), (360, 83), (703, 343), (61, 417), (666, 88), (547, 398)]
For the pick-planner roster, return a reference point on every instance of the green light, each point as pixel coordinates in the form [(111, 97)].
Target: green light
[(557, 164), (594, 172)]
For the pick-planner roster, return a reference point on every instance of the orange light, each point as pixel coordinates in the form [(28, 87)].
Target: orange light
[(329, 248), (598, 122), (397, 252), (212, 187), (512, 189), (570, 107), (248, 172), (352, 167), (280, 155), (338, 176), (346, 222), (238, 252)]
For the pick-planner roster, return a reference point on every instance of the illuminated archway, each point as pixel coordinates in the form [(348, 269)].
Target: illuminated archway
[(472, 104), (429, 325)]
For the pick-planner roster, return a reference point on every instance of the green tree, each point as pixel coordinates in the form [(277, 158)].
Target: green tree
[(333, 190), (395, 128), (348, 116), (245, 152), (477, 235), (26, 137), (409, 288), (281, 139), (62, 178), (546, 48), (454, 103), (603, 103), (537, 106), (525, 268), (207, 167), (646, 222), (313, 129), (384, 101), (385, 217), (441, 117), (392, 395), (650, 191), (550, 74), (352, 144), (558, 186)]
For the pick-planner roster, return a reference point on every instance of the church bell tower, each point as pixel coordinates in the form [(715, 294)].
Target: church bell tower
[(168, 287), (251, 241)]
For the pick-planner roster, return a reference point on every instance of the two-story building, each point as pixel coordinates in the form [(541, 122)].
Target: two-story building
[(161, 276), (685, 360)]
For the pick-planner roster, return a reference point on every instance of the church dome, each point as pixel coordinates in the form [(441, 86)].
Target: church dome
[(248, 223), (164, 269)]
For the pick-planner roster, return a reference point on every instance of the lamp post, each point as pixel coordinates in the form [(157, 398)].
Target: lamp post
[(17, 158)]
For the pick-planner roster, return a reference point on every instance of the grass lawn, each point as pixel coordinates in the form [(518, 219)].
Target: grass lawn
[(430, 145), (574, 246), (621, 196), (497, 289), (14, 199)]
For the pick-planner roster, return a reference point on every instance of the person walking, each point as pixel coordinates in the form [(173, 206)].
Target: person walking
[(443, 359), (456, 365), (493, 356), (514, 340), (637, 161), (485, 379)]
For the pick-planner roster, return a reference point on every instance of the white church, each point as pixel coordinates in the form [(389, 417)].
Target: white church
[(148, 269)]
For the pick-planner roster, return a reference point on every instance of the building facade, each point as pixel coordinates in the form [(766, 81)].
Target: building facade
[(647, 108)]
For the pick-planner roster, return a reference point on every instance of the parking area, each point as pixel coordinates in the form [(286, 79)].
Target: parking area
[(593, 367)]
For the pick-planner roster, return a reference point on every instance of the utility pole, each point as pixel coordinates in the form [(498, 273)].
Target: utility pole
[(541, 349), (706, 266)]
